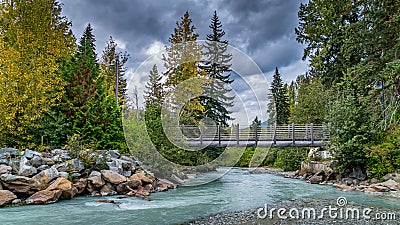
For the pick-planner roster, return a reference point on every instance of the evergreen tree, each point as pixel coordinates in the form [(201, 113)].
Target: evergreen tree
[(91, 113), (155, 92), (217, 66), (182, 63), (109, 59), (278, 108)]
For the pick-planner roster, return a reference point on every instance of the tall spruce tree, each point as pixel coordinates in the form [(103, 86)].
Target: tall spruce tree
[(91, 113), (182, 63), (278, 108), (109, 59), (217, 66)]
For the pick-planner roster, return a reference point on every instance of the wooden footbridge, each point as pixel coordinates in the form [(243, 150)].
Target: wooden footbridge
[(308, 135)]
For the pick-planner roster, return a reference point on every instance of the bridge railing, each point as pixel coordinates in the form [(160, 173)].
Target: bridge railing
[(272, 133)]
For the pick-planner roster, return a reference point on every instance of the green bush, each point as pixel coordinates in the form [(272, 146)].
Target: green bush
[(289, 159)]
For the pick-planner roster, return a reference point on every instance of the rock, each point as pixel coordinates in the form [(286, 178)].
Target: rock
[(356, 182), (95, 179), (161, 186), (314, 167), (81, 185), (14, 165), (149, 188), (176, 179), (379, 188), (25, 169), (358, 173), (90, 188), (46, 176), (348, 181), (316, 179), (63, 174), (11, 151), (16, 201), (37, 161), (127, 186), (126, 173), (169, 184), (141, 177), (107, 190), (20, 185), (374, 181), (343, 187), (113, 177), (75, 165), (60, 155), (6, 197), (4, 159), (387, 177), (65, 186), (43, 168), (29, 154), (391, 184), (113, 154), (5, 169), (396, 177), (44, 197)]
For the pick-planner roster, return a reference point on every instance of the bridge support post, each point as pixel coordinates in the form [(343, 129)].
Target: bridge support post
[(274, 134), (293, 136), (312, 134), (237, 135), (219, 134)]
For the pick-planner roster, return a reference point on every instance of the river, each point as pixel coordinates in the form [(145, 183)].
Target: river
[(236, 190)]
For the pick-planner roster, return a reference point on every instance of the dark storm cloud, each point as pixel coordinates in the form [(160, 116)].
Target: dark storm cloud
[(263, 29), (252, 26)]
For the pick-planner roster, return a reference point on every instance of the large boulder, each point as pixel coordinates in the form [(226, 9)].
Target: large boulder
[(5, 169), (44, 197), (29, 154), (113, 177), (128, 186), (6, 197), (81, 185), (391, 184), (314, 167), (4, 159), (25, 168), (316, 179), (10, 151), (141, 177), (107, 190), (65, 186), (20, 185), (37, 161), (74, 165), (96, 180), (46, 176)]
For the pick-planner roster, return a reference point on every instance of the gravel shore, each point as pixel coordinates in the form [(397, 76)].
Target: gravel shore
[(252, 216)]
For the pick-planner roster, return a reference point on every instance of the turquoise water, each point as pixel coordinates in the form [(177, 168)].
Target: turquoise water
[(235, 191)]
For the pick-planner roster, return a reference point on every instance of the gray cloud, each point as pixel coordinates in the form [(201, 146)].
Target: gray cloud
[(263, 29)]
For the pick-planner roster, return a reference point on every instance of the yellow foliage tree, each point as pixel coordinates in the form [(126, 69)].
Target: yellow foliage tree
[(35, 38)]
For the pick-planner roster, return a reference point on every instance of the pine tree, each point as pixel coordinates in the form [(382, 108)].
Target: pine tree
[(278, 108), (185, 78), (217, 65), (109, 59), (155, 92)]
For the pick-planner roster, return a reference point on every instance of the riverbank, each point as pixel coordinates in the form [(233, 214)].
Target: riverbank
[(321, 206), (389, 187), (36, 178)]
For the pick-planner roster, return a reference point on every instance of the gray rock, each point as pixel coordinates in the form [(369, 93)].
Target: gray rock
[(126, 158), (126, 173), (95, 179), (20, 184), (43, 167), (14, 165), (46, 176), (63, 174), (29, 154), (4, 159), (107, 190), (25, 169), (358, 173), (37, 161), (316, 179), (393, 185), (113, 154), (12, 151), (113, 177), (16, 201), (5, 169), (387, 177), (75, 165), (347, 181), (60, 155)]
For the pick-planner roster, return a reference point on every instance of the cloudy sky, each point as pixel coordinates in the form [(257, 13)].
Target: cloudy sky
[(263, 30)]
